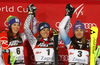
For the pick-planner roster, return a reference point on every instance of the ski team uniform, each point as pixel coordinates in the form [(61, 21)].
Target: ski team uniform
[(43, 49), (16, 47), (76, 56)]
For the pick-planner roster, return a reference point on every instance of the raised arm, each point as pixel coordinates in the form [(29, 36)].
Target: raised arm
[(34, 25), (33, 29), (64, 26), (32, 40)]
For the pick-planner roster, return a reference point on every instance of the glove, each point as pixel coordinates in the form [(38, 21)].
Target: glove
[(69, 10), (32, 9)]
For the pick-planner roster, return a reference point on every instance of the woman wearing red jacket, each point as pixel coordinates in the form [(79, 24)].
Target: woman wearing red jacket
[(15, 42)]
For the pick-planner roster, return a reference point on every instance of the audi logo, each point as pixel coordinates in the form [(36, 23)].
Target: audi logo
[(62, 58), (86, 25), (89, 25)]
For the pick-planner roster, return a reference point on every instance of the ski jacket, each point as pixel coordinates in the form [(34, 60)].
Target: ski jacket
[(16, 48), (64, 29), (42, 48)]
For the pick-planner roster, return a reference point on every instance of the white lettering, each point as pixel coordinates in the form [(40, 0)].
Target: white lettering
[(13, 43), (7, 9), (25, 10), (11, 9), (21, 9), (89, 25), (80, 11), (77, 25), (3, 9), (41, 27), (43, 45)]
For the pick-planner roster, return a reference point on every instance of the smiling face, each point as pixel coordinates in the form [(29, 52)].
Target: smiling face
[(15, 28), (45, 33), (79, 33)]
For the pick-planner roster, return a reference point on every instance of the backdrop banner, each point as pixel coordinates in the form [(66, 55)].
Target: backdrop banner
[(53, 13)]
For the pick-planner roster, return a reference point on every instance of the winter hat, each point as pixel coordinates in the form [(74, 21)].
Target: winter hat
[(12, 19), (78, 25), (43, 25)]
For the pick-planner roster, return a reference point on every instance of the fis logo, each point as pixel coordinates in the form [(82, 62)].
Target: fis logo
[(79, 10)]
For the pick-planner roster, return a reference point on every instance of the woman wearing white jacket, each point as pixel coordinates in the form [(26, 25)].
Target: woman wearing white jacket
[(77, 46)]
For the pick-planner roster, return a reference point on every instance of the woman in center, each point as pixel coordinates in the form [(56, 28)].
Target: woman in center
[(42, 45)]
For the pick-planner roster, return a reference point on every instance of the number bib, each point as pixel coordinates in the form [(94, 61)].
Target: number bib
[(44, 54), (80, 56), (19, 51)]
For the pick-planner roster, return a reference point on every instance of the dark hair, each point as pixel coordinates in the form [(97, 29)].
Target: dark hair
[(75, 44), (10, 35)]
